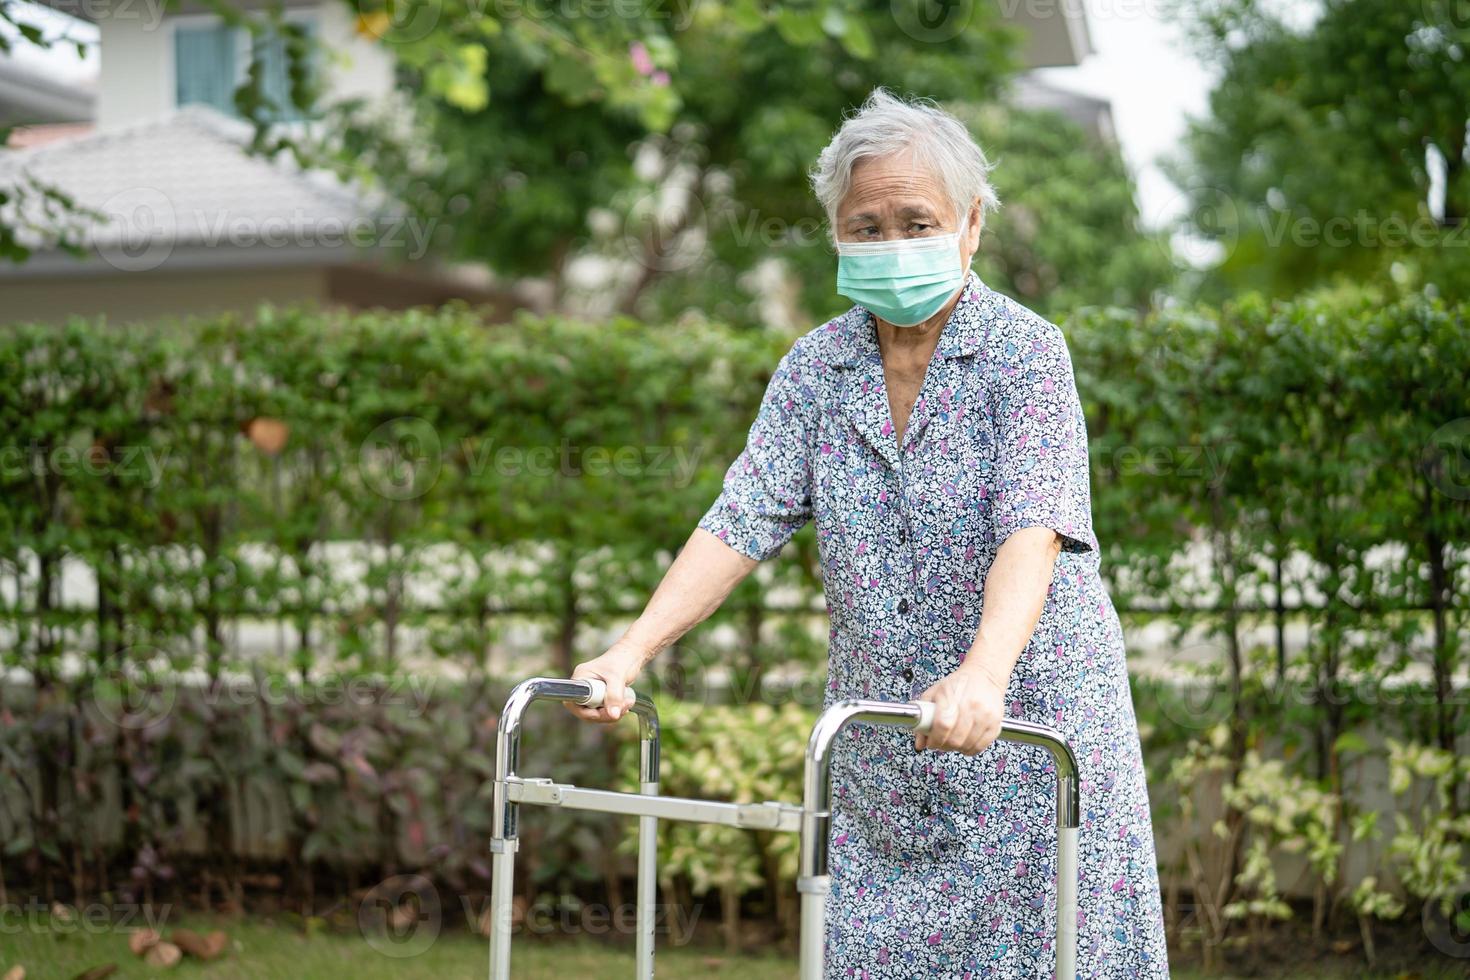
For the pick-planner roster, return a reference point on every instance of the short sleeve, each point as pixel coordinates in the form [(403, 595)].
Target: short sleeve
[(767, 492), (1041, 438)]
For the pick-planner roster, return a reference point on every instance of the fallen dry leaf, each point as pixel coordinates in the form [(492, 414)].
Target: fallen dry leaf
[(403, 917), (15, 973), (97, 972), (207, 947), (186, 939), (164, 955), (268, 434), (142, 940)]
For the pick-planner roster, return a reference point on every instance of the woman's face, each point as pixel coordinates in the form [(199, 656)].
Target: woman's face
[(891, 198)]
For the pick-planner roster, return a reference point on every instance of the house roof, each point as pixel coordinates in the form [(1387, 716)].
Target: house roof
[(1056, 33), (185, 185), (29, 95), (1034, 91)]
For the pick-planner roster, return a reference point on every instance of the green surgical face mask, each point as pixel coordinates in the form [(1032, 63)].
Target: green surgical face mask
[(904, 281)]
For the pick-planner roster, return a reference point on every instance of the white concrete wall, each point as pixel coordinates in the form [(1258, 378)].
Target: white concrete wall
[(136, 80), (357, 66), (162, 294)]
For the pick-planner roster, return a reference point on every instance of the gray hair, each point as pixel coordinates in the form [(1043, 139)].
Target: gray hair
[(887, 125)]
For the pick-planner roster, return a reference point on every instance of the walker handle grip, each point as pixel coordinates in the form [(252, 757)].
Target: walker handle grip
[(597, 692), (926, 717)]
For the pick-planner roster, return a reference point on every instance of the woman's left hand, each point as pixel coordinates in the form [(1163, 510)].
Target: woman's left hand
[(969, 705)]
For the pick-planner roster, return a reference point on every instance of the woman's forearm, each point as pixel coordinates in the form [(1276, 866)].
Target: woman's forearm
[(703, 575), (1015, 593), (969, 703)]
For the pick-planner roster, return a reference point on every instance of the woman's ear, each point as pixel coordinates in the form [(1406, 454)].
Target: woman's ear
[(974, 221)]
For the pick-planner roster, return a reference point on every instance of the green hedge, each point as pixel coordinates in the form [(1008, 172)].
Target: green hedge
[(162, 459), (1320, 452)]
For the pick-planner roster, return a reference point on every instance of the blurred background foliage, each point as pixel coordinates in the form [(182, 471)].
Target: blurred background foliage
[(654, 161), (667, 143), (1335, 146)]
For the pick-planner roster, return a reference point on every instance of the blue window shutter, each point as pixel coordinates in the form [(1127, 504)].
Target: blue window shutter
[(204, 67)]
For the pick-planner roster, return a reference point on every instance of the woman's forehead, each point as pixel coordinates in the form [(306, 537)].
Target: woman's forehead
[(893, 186)]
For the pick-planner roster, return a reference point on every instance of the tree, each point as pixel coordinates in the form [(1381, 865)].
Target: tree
[(1067, 234), (671, 142), (1316, 163)]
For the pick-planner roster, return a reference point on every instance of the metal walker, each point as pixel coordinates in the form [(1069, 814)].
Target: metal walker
[(811, 820)]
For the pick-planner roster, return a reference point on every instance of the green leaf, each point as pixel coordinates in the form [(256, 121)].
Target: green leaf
[(857, 39), (747, 15), (797, 27), (1350, 742), (569, 75)]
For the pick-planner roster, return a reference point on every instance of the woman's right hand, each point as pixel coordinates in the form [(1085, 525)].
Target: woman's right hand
[(617, 668)]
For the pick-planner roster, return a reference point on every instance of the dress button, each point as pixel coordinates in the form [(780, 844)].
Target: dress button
[(903, 606), (908, 674)]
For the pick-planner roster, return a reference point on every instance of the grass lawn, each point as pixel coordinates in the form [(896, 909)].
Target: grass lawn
[(265, 950), (262, 950)]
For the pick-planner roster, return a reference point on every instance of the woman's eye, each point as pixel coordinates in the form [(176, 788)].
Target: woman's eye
[(918, 229)]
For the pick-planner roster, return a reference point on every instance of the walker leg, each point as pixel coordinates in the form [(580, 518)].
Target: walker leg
[(647, 887), (1067, 903), (502, 899), (813, 925)]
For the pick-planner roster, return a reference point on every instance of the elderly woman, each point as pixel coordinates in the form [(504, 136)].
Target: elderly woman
[(934, 435)]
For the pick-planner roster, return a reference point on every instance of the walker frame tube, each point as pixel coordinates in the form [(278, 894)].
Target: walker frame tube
[(812, 820)]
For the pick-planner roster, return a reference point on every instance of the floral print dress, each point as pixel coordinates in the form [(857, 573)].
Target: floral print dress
[(944, 865)]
